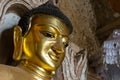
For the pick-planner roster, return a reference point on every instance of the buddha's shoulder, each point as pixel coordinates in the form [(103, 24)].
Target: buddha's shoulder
[(5, 72), (7, 68), (12, 73)]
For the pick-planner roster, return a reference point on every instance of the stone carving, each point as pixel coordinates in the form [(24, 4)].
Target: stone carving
[(111, 49), (75, 63), (5, 4)]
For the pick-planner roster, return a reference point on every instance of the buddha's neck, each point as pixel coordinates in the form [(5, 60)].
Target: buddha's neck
[(37, 72)]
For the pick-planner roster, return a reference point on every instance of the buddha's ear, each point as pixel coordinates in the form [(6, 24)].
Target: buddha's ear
[(18, 39)]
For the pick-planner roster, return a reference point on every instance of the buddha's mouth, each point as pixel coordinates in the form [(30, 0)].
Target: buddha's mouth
[(54, 56)]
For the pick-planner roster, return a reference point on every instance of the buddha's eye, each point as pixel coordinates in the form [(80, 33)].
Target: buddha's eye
[(48, 34)]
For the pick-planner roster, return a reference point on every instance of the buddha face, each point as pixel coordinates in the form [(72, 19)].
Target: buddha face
[(46, 41)]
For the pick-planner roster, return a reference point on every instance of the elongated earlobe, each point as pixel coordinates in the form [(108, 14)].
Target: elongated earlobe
[(17, 43)]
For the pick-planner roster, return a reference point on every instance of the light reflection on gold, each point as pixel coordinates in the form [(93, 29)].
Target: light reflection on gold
[(43, 46)]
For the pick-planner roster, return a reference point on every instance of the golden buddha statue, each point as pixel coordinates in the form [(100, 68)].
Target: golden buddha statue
[(40, 40)]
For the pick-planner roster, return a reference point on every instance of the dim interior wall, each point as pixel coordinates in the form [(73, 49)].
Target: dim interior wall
[(83, 19)]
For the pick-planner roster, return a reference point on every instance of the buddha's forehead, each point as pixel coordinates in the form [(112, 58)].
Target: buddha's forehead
[(47, 20)]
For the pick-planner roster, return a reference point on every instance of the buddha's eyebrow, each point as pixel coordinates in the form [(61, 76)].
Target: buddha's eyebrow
[(40, 24)]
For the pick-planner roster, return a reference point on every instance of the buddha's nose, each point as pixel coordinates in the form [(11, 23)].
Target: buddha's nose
[(59, 46)]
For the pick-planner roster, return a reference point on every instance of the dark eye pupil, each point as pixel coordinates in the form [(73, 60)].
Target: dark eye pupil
[(49, 35)]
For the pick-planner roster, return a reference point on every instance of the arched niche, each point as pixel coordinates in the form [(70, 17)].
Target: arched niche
[(12, 16), (9, 18)]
